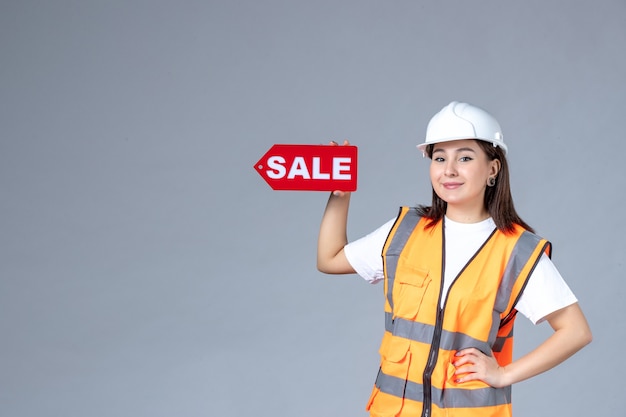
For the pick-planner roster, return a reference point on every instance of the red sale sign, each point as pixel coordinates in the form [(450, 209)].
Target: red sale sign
[(309, 167)]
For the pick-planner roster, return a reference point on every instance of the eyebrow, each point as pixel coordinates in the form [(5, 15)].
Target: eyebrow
[(455, 150)]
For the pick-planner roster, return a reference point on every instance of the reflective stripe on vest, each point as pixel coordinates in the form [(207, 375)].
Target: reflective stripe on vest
[(457, 398), (495, 277)]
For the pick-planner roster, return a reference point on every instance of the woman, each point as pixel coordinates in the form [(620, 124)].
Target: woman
[(455, 274)]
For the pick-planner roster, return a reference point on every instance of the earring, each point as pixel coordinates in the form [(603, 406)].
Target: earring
[(491, 181)]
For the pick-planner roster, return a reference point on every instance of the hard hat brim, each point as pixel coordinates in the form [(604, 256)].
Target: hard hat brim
[(422, 146)]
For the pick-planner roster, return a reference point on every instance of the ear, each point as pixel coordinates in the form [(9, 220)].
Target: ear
[(494, 168)]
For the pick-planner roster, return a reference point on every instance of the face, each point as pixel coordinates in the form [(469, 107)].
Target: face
[(459, 172)]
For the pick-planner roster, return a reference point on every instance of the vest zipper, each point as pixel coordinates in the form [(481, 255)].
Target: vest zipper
[(430, 364), (433, 354)]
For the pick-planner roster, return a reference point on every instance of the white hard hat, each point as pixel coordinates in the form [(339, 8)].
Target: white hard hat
[(463, 121)]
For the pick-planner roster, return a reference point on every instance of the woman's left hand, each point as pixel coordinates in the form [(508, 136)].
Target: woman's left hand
[(571, 333), (471, 364)]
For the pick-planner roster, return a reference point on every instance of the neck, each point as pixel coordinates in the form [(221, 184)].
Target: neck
[(467, 216)]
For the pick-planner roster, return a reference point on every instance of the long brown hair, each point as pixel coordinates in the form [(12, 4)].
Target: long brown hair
[(498, 199)]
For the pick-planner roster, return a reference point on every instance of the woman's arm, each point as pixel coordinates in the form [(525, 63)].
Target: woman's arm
[(571, 333), (333, 236), (333, 233)]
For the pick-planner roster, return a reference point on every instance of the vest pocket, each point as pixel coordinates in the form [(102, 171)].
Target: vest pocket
[(395, 349), (381, 404), (408, 292), (388, 395)]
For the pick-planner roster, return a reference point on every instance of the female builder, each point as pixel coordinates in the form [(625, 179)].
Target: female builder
[(455, 274)]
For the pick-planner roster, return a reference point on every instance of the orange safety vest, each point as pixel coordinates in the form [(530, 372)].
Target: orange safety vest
[(416, 375)]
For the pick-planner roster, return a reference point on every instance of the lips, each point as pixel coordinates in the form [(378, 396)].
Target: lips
[(451, 185)]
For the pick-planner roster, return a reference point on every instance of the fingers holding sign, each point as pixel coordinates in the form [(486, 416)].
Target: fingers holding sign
[(339, 193)]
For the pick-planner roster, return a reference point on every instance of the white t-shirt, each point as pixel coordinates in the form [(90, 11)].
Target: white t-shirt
[(545, 292)]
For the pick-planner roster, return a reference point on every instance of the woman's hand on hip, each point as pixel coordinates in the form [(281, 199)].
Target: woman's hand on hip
[(472, 364)]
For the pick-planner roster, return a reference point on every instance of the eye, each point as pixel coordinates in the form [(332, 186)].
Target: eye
[(438, 159), (465, 158)]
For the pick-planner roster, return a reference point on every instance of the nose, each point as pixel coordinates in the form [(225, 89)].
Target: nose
[(450, 170)]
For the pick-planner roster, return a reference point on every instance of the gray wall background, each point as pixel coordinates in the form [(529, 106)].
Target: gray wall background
[(147, 270)]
